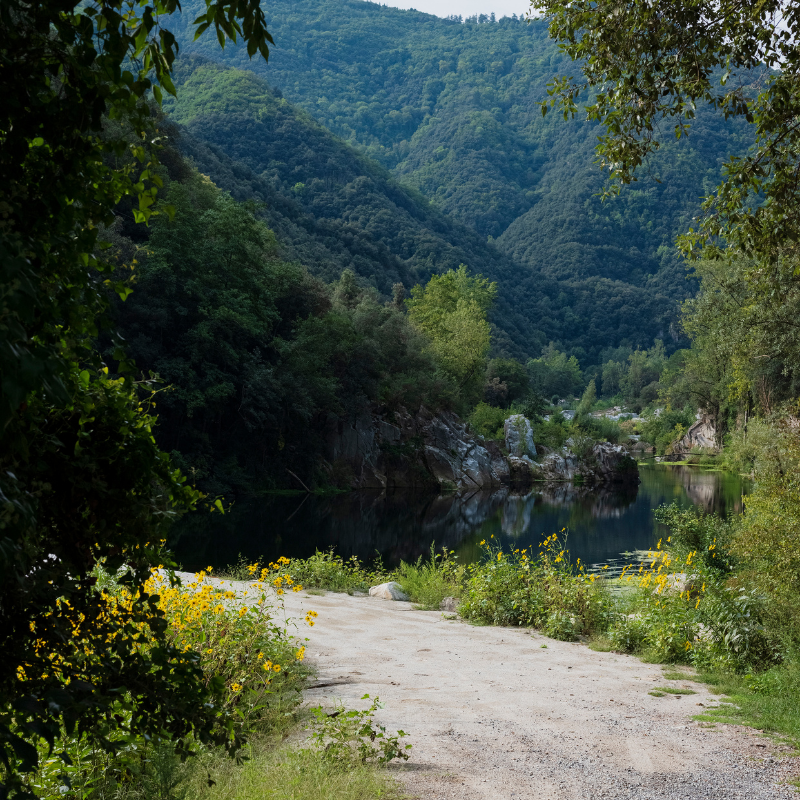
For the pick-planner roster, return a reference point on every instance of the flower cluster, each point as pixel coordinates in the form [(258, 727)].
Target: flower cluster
[(542, 589), (234, 629)]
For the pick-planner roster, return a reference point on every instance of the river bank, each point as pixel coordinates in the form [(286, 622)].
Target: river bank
[(506, 713)]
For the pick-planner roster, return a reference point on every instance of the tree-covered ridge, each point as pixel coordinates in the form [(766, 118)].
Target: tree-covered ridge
[(332, 208), (453, 110)]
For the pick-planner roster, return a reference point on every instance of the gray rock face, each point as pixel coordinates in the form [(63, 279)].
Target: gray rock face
[(388, 591), (701, 434), (519, 436), (436, 450), (606, 463), (426, 449)]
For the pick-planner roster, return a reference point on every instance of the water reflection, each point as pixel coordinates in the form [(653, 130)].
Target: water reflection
[(602, 523)]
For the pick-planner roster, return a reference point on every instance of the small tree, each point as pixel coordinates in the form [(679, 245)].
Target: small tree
[(451, 310)]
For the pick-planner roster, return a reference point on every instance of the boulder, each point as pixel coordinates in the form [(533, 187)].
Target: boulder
[(681, 582), (500, 465), (701, 434), (641, 447), (560, 465), (523, 470), (604, 463), (388, 591), (519, 436), (449, 604)]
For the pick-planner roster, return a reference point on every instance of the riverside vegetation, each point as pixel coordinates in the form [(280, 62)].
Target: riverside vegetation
[(717, 595), (164, 340), (250, 651)]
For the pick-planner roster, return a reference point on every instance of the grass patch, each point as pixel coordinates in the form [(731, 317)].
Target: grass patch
[(316, 592), (601, 644), (656, 693), (673, 690), (428, 583), (766, 702), (677, 675), (291, 773)]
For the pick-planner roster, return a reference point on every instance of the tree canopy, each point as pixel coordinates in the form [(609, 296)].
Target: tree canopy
[(651, 66), (81, 478), (451, 310)]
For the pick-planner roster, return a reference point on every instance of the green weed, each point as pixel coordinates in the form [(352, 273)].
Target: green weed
[(428, 583), (349, 736), (291, 773), (538, 589), (674, 675)]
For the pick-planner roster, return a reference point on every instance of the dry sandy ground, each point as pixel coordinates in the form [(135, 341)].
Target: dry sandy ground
[(500, 713)]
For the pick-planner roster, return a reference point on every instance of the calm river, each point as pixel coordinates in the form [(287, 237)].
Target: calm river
[(602, 524)]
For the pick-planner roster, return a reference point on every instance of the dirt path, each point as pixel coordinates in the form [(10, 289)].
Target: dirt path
[(500, 713)]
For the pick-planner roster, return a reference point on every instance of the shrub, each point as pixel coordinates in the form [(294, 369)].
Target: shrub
[(629, 633), (487, 421), (249, 657), (239, 641), (664, 428), (692, 530), (333, 573), (430, 582), (351, 736), (538, 589), (602, 429), (685, 611), (552, 432)]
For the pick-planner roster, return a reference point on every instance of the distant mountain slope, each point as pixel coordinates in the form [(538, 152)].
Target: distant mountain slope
[(453, 110), (332, 207)]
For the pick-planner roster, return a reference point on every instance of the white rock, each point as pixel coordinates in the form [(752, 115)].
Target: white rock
[(519, 436), (388, 591)]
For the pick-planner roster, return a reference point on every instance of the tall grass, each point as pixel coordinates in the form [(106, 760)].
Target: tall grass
[(429, 582), (290, 773)]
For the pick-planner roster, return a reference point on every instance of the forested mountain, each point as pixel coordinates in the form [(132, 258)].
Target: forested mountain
[(333, 207), (452, 110)]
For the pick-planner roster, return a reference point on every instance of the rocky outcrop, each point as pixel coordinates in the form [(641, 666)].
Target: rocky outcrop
[(401, 450), (519, 436), (604, 463), (702, 435)]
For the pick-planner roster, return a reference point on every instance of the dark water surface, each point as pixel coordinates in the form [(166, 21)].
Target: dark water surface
[(602, 523)]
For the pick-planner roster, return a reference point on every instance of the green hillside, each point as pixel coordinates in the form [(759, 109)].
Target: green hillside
[(452, 109), (332, 207)]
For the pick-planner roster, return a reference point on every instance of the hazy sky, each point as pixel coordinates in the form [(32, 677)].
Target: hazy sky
[(466, 8)]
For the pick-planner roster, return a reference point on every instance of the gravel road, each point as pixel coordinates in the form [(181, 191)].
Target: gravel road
[(502, 713)]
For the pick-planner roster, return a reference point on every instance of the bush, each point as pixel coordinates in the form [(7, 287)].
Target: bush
[(430, 582), (602, 429), (692, 530), (348, 737), (666, 427), (333, 573), (487, 421), (685, 610), (541, 590), (533, 407), (552, 432), (243, 651)]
